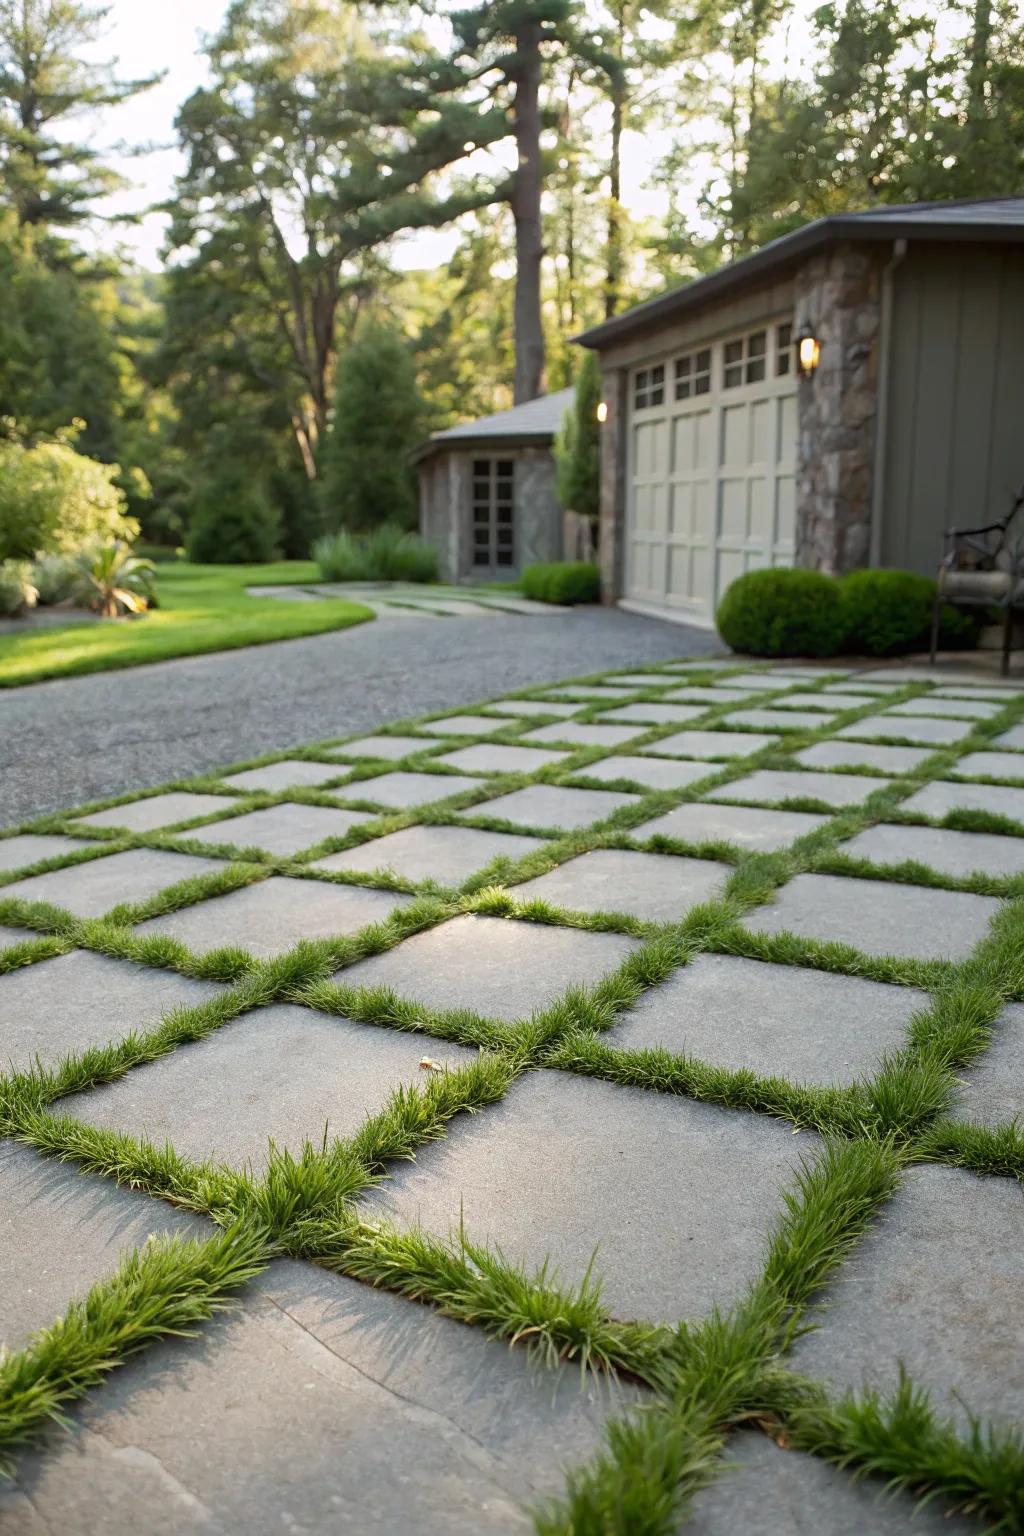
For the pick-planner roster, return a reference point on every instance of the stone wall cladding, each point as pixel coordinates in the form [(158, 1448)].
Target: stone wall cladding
[(611, 529)]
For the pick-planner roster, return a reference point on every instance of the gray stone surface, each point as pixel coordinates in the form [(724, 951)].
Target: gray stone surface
[(157, 811), (527, 707), (642, 679), (591, 692), (553, 805), (976, 691), (492, 965), (290, 774), (928, 674), (856, 684), (317, 1406), (708, 663), (781, 719), (878, 916), (710, 745), (776, 1020), (834, 700), (757, 682), (463, 725), (493, 757), (659, 887), (1013, 738), (855, 754), (60, 1232), (271, 917), (32, 847), (402, 790), (935, 1284), (655, 714), (653, 772), (59, 1007), (806, 673), (89, 890), (991, 1089), (676, 1197), (952, 853), (989, 765), (583, 734), (392, 747), (746, 826), (281, 1073), (903, 728), (932, 705), (939, 798), (283, 830), (771, 784), (708, 696), (11, 936), (448, 855)]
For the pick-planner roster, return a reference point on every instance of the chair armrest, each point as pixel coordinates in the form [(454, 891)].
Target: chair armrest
[(963, 533)]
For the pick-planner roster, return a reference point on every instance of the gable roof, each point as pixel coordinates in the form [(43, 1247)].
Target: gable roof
[(532, 424), (976, 219)]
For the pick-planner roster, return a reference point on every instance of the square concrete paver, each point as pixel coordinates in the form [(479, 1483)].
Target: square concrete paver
[(157, 811), (708, 696), (653, 772), (11, 936), (781, 719), (656, 886), (293, 774), (1005, 695), (553, 805), (856, 684), (643, 679), (392, 747), (935, 1285), (991, 1089), (32, 847), (89, 890), (60, 1232), (316, 1406), (494, 966), (776, 1020), (855, 754), (989, 765), (285, 829), (932, 705), (526, 707), (676, 1197), (831, 701), (878, 916), (281, 1073), (464, 725), (743, 825), (583, 734), (757, 682), (400, 791), (1013, 739), (939, 733), (655, 714), (771, 784), (710, 745), (942, 797), (60, 1007), (448, 855), (271, 917), (951, 853), (591, 691), (492, 757)]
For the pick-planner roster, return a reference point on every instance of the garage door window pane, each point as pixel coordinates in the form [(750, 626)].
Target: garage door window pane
[(702, 372), (757, 346), (733, 364), (684, 382), (783, 350)]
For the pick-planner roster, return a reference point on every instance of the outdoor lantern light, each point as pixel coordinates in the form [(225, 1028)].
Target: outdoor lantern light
[(808, 351), (602, 410)]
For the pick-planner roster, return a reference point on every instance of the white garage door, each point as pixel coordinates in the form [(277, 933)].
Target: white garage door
[(710, 472)]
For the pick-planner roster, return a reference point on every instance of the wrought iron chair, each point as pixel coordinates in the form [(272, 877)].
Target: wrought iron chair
[(983, 568)]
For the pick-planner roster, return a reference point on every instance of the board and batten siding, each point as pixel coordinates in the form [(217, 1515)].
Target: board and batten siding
[(954, 450)]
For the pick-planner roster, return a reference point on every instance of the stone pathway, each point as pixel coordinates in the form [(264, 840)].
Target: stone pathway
[(397, 599), (667, 1024)]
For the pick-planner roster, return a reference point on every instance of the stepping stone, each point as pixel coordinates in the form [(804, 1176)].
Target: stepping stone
[(775, 1020), (32, 847), (491, 757), (584, 734), (757, 682), (931, 704), (821, 701), (492, 965), (60, 1232), (782, 719), (807, 673), (852, 754), (281, 1073), (591, 691), (707, 696), (464, 725), (11, 936), (951, 853), (533, 707), (401, 791), (392, 747), (988, 765), (288, 775), (60, 1007), (991, 1089), (769, 785), (658, 714), (940, 798), (658, 887), (973, 691), (553, 806), (654, 772), (901, 728), (93, 888), (1013, 738), (157, 811), (316, 1404), (702, 664), (934, 675), (762, 830), (676, 1197), (856, 685), (643, 679), (271, 917), (448, 855), (934, 1285), (711, 744), (283, 830), (878, 916)]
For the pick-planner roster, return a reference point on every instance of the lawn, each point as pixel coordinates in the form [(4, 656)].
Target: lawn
[(202, 608)]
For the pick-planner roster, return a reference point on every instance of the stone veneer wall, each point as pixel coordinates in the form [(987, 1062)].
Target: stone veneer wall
[(612, 514)]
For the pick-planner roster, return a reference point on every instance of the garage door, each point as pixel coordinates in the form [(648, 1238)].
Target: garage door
[(710, 472)]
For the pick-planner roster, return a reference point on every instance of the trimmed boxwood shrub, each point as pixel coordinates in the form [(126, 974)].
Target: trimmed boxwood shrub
[(563, 581), (784, 612), (886, 612)]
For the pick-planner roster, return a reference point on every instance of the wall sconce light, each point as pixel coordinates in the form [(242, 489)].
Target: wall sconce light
[(808, 352), (602, 411)]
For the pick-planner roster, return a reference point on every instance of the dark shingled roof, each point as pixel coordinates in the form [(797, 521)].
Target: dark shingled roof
[(533, 423), (977, 219)]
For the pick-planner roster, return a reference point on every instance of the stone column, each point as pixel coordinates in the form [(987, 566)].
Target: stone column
[(839, 296), (614, 387)]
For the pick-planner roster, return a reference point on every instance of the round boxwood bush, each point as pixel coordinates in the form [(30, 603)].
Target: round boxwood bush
[(785, 612), (885, 612), (562, 581)]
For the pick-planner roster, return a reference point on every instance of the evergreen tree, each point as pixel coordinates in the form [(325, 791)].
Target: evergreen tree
[(578, 447)]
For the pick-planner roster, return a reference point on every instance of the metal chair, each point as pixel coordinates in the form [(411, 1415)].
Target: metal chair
[(983, 568)]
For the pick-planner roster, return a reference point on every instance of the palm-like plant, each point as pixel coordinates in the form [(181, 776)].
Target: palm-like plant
[(113, 581)]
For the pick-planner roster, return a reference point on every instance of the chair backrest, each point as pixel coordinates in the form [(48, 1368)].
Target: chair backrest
[(1010, 541)]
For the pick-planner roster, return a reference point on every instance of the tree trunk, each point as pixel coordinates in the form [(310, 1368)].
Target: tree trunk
[(977, 77), (613, 266), (526, 191)]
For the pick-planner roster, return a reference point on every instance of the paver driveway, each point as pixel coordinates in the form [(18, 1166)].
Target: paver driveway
[(689, 1056)]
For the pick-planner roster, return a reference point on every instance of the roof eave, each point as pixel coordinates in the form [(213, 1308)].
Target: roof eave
[(489, 441)]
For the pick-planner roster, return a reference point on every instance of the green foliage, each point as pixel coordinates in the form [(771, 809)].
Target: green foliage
[(885, 612), (53, 499), (54, 577), (16, 590), (562, 581), (232, 522), (786, 612), (386, 553), (110, 579), (577, 445)]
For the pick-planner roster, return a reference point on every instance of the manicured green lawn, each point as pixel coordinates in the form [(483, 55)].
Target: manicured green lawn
[(202, 608)]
